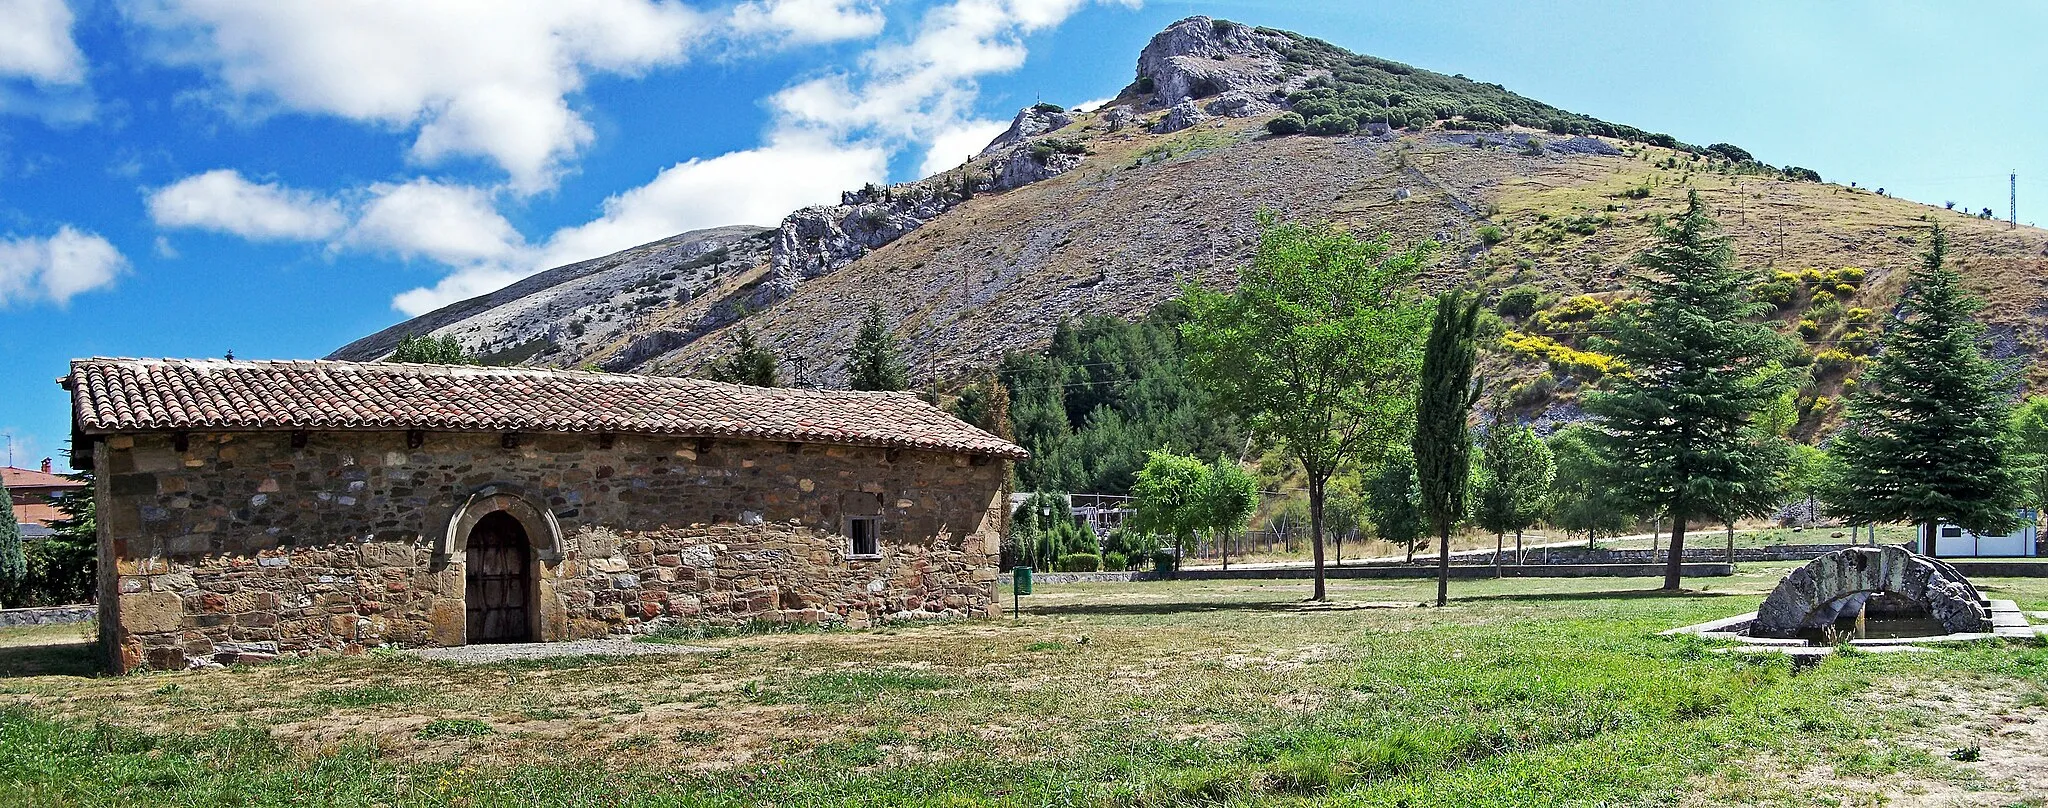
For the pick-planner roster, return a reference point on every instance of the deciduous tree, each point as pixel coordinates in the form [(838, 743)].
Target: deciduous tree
[(1514, 483), (1317, 348)]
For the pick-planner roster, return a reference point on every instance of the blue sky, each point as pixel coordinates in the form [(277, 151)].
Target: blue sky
[(186, 177)]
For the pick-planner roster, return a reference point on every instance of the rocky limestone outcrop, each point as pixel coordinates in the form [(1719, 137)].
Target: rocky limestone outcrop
[(1232, 70), (1816, 594), (819, 239), (1030, 122), (1021, 165), (1118, 117), (1181, 116)]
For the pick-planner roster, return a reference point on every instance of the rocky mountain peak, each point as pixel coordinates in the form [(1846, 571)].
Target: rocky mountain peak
[(1200, 67)]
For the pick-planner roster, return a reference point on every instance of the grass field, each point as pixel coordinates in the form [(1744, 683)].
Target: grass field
[(1522, 692)]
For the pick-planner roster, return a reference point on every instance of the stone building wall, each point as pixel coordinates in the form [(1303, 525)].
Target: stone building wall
[(241, 546)]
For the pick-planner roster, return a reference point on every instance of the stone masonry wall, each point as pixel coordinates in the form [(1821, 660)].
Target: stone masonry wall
[(241, 547)]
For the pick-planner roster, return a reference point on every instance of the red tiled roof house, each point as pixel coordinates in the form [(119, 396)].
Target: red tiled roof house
[(34, 494), (249, 509)]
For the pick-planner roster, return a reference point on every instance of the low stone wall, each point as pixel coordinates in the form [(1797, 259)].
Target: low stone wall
[(1708, 554), (2000, 569), (49, 615), (1463, 571)]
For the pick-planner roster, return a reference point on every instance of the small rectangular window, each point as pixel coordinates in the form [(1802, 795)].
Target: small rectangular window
[(1951, 532), (865, 533)]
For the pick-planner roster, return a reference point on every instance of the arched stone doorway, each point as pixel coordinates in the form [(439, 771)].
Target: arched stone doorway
[(505, 539), (498, 581)]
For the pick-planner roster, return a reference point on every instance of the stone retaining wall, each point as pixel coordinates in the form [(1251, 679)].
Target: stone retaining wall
[(241, 546), (49, 615)]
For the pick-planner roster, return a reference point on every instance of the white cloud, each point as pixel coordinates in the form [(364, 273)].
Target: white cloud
[(482, 78), (452, 224), (35, 42), (222, 200), (806, 21), (952, 146), (925, 88), (1092, 104), (463, 285), (56, 268)]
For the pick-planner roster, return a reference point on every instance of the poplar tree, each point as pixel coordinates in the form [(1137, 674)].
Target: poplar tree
[(1925, 439), (1678, 421), (1514, 483), (1443, 439), (875, 362)]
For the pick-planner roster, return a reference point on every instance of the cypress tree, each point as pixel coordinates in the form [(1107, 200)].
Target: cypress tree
[(874, 362), (1443, 441), (1678, 422), (750, 363), (1925, 437), (13, 564)]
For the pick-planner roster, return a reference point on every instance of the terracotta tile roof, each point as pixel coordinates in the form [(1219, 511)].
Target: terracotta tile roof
[(123, 395), (12, 477)]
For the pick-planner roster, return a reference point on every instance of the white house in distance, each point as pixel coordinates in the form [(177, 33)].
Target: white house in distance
[(1952, 541)]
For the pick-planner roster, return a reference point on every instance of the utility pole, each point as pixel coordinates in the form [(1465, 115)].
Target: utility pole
[(2012, 200)]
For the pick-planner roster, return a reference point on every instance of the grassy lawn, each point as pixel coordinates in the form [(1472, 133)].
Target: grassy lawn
[(1523, 692)]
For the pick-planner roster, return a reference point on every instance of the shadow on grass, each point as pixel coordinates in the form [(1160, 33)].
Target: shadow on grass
[(1174, 608), (49, 659), (1615, 594)]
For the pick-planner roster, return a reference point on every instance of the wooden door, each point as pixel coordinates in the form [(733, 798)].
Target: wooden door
[(499, 582)]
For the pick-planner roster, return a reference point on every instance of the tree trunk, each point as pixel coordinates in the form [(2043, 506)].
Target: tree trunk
[(1519, 558), (1499, 547), (1315, 532), (1443, 564), (1224, 544), (1672, 567), (1411, 551), (1927, 546), (1731, 542), (1655, 537), (1340, 549)]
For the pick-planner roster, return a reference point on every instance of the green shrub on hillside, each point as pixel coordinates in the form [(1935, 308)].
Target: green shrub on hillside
[(1332, 125), (1519, 302), (1288, 123)]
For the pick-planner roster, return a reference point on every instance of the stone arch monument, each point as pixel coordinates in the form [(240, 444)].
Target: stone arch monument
[(1884, 580)]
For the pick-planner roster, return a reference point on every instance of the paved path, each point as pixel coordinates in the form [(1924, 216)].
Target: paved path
[(511, 651)]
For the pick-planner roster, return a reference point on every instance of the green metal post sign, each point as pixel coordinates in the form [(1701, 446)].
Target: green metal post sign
[(1020, 585)]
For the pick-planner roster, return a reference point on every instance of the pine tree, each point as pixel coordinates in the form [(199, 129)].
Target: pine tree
[(750, 363), (13, 564), (1515, 472), (1443, 440), (874, 362), (1925, 439), (1678, 422)]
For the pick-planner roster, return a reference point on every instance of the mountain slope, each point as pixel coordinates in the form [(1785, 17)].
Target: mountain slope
[(1110, 212)]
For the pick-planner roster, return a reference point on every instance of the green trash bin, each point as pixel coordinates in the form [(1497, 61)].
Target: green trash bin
[(1020, 582)]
